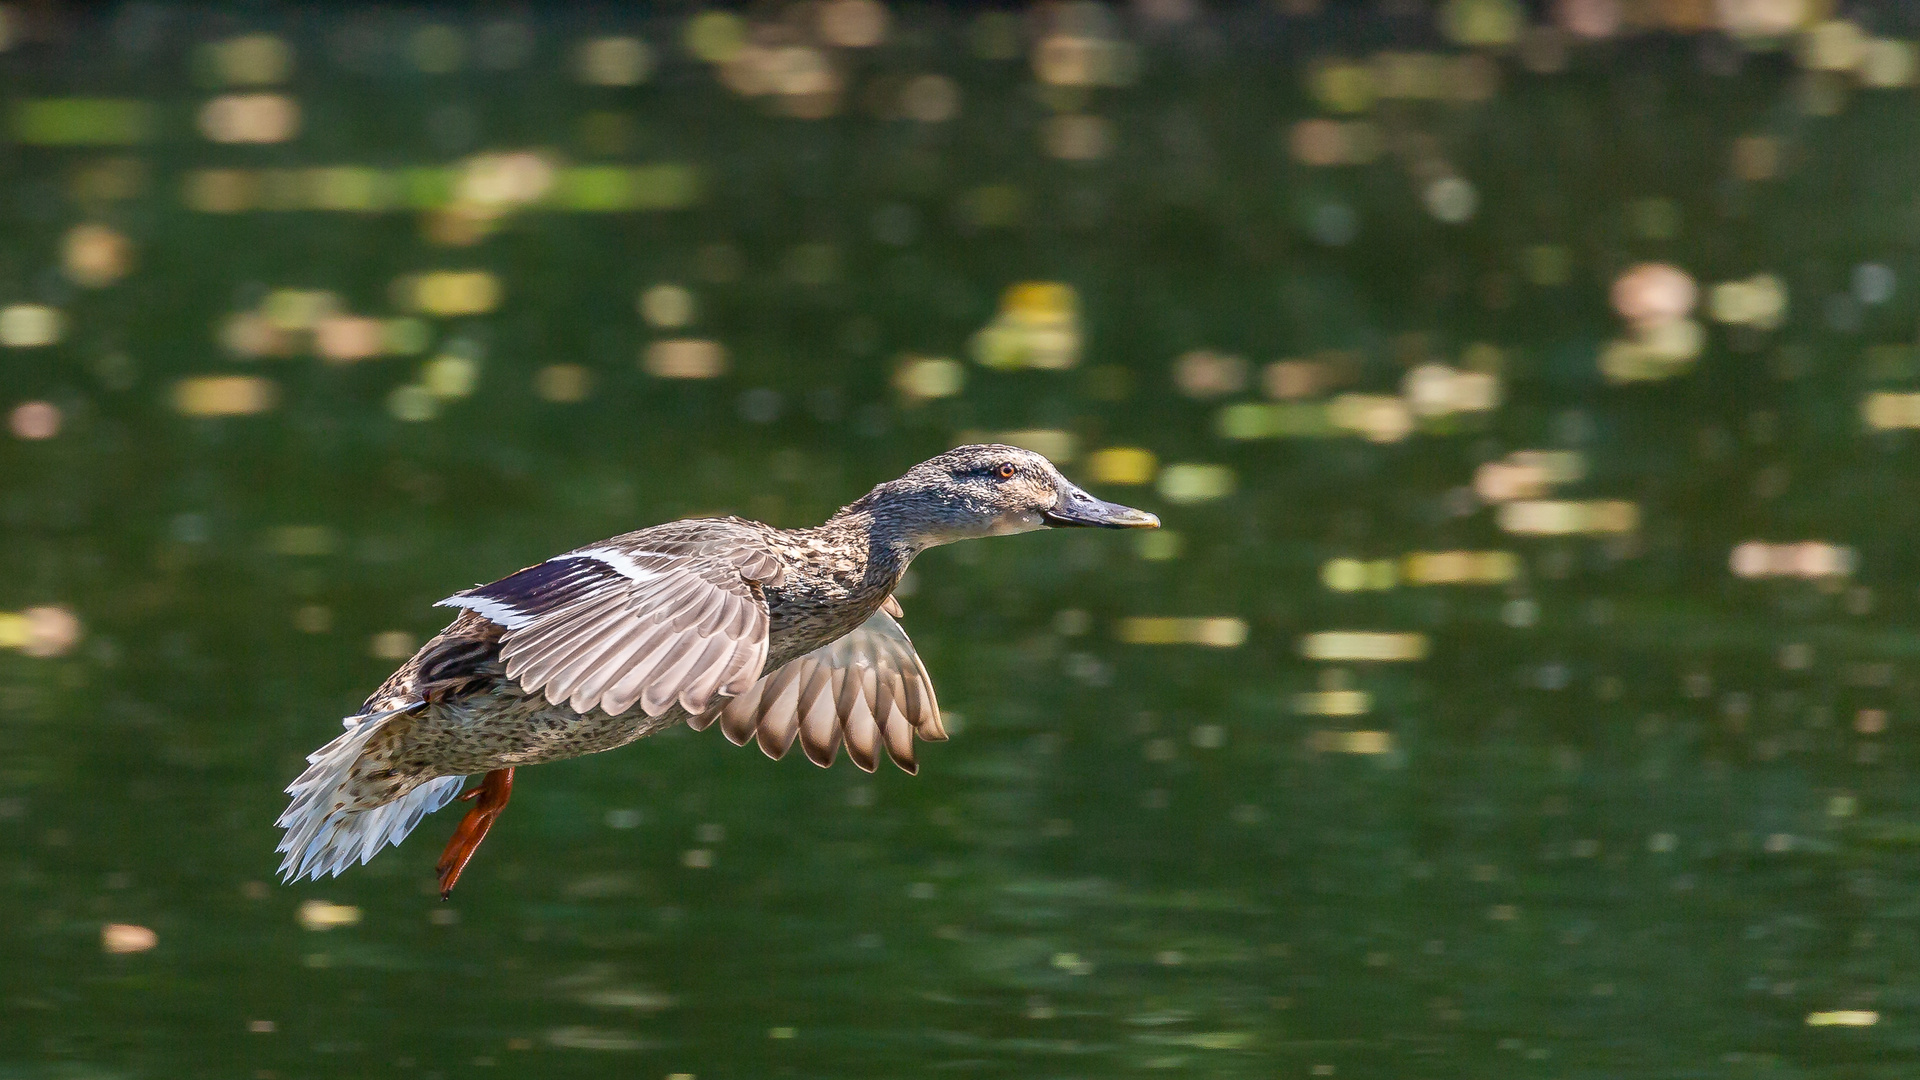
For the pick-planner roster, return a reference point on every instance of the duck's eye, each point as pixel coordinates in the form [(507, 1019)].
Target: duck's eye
[(1005, 471)]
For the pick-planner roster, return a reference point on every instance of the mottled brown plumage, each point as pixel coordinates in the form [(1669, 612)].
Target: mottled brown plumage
[(780, 635)]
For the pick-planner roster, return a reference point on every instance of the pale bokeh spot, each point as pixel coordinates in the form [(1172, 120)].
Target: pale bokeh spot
[(249, 60), (1219, 632), (313, 618), (1123, 465), (615, 61), (320, 915), (34, 420), (250, 118), (854, 24), (564, 384), (391, 645), (51, 631), (1078, 138), (95, 255), (685, 358), (667, 306), (924, 378), (122, 938), (30, 326), (930, 99), (1365, 645), (225, 395), (714, 36), (1190, 482), (413, 403)]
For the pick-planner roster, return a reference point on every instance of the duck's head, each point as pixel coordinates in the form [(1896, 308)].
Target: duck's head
[(992, 490)]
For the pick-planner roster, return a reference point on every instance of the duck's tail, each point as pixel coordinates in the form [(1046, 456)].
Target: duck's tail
[(325, 833)]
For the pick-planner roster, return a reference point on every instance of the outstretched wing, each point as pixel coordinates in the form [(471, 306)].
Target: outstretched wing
[(867, 689), (605, 627)]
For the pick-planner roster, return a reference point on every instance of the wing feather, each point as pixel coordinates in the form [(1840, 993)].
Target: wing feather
[(664, 686), (599, 633), (779, 725), (521, 598), (899, 736), (708, 673), (612, 627), (741, 673), (862, 734), (820, 723), (692, 612), (545, 646), (654, 644), (866, 691), (857, 726), (736, 716), (926, 720), (617, 661)]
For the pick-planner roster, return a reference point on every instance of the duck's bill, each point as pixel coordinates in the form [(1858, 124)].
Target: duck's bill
[(1077, 509)]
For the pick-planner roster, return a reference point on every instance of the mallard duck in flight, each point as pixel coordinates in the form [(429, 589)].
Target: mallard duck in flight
[(779, 635)]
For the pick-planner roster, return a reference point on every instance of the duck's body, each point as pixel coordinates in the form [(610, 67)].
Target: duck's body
[(478, 718), (779, 634)]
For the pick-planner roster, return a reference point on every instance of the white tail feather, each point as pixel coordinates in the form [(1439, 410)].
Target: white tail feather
[(324, 834)]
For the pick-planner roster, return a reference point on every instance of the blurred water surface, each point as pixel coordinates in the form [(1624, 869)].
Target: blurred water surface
[(1524, 684)]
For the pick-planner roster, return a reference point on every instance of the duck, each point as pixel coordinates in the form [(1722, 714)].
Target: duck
[(779, 636)]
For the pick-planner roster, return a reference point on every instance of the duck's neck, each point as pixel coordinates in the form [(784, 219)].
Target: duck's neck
[(865, 546)]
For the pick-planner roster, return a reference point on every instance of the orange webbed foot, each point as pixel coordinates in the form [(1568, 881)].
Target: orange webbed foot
[(488, 800)]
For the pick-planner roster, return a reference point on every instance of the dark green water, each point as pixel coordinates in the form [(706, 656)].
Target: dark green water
[(1632, 804)]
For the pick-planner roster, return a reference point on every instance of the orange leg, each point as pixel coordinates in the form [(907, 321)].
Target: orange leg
[(488, 800)]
